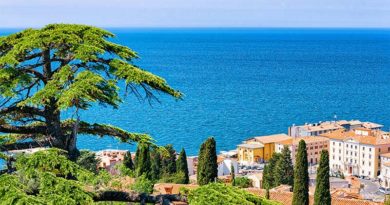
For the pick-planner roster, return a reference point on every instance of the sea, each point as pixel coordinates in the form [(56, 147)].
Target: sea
[(245, 82)]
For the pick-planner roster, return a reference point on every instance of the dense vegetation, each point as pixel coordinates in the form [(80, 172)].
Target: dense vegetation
[(301, 176), (44, 72), (322, 193), (207, 162), (217, 194)]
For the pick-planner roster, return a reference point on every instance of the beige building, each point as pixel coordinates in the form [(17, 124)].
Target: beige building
[(259, 149), (109, 158), (357, 152), (314, 146)]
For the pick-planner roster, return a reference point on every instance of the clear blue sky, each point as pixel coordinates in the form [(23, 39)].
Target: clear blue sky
[(197, 13)]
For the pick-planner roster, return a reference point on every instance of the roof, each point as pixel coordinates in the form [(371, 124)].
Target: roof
[(385, 155), (272, 138), (310, 139), (370, 139), (170, 188), (386, 164), (285, 198), (371, 125), (251, 146)]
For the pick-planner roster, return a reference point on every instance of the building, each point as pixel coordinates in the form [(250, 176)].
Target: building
[(314, 146), (225, 166), (109, 158), (258, 149), (356, 152), (192, 164), (316, 129), (384, 177)]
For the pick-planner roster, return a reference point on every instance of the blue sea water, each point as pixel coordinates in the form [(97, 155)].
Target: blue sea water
[(240, 83)]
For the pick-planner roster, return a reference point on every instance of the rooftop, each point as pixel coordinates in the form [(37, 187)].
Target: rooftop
[(310, 139), (271, 138), (251, 146), (374, 138)]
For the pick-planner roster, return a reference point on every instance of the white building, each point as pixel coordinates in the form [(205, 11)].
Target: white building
[(192, 164), (315, 129), (384, 177), (356, 152), (224, 167)]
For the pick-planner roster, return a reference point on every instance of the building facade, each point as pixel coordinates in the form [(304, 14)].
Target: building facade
[(314, 146), (356, 152), (259, 149)]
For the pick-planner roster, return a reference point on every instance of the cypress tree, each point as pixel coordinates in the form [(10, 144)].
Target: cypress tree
[(169, 161), (301, 176), (155, 164), (284, 170), (181, 166), (207, 163), (143, 161), (269, 171), (128, 161), (322, 193), (232, 174), (137, 154)]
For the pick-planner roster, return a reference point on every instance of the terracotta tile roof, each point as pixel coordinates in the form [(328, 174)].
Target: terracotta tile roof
[(310, 139), (251, 145), (272, 138), (370, 139), (169, 188), (286, 198)]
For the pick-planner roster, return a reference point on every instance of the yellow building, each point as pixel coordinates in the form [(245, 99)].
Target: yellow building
[(258, 149)]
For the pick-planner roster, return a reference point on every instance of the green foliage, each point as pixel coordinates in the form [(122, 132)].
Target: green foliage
[(124, 171), (322, 192), (207, 163), (232, 175), (169, 160), (128, 161), (269, 171), (284, 170), (143, 185), (301, 176), (176, 178), (182, 167), (46, 71), (217, 193), (155, 164), (242, 182), (88, 161), (143, 161), (46, 177)]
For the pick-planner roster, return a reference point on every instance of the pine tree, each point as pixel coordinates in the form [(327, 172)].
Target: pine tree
[(232, 174), (46, 72), (143, 165), (322, 193), (181, 166), (207, 163), (269, 172), (284, 170), (128, 161), (155, 164), (169, 161), (301, 176)]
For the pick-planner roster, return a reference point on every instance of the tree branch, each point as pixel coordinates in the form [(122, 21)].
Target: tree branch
[(24, 145), (7, 128), (24, 109)]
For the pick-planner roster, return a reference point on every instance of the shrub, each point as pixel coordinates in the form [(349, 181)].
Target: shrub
[(242, 182), (143, 185)]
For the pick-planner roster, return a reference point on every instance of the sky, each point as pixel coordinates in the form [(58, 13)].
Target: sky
[(197, 13)]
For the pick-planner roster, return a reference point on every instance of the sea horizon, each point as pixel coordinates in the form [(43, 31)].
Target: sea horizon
[(245, 82)]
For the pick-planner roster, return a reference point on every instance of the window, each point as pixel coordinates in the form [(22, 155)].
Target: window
[(333, 157), (363, 162), (379, 149), (334, 143), (363, 155), (369, 164), (339, 143), (339, 158), (363, 148), (355, 146), (347, 145), (355, 154), (346, 152), (388, 149), (369, 173), (369, 156), (369, 149), (362, 171), (316, 147)]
